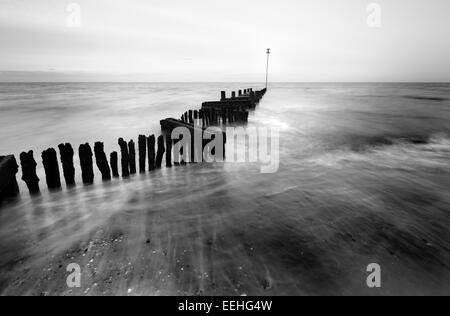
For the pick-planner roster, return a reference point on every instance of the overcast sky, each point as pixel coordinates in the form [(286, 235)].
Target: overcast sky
[(211, 40)]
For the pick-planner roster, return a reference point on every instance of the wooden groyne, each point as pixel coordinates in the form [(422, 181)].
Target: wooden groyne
[(248, 100), (168, 125), (151, 149)]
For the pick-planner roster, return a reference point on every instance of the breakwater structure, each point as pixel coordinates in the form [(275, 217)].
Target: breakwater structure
[(151, 149)]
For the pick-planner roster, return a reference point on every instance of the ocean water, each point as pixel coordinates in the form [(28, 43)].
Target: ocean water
[(364, 178)]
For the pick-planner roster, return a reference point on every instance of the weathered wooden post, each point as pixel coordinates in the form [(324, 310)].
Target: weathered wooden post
[(210, 120), (132, 153), (240, 92), (178, 154), (195, 117), (210, 117), (113, 157), (66, 155), (191, 117), (151, 152), (206, 115), (29, 175), (125, 162), (223, 95), (8, 182), (223, 115), (203, 118), (215, 116), (142, 144), (161, 151), (102, 161), (168, 150), (86, 163), (51, 167), (233, 95)]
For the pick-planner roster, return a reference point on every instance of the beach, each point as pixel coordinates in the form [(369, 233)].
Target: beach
[(364, 178)]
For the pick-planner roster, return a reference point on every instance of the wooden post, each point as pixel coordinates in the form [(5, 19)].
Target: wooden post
[(252, 94), (132, 153), (86, 163), (200, 117), (29, 175), (195, 117), (125, 162), (114, 164), (177, 155), (210, 118), (233, 95), (66, 154), (214, 115), (203, 118), (161, 151), (102, 161), (8, 182), (240, 92), (223, 95), (191, 117), (151, 152), (51, 167), (142, 144), (168, 150), (206, 114), (224, 116)]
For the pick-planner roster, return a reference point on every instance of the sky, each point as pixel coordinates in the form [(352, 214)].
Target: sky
[(225, 41)]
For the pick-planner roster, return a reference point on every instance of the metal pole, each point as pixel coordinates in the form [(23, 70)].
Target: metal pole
[(267, 68)]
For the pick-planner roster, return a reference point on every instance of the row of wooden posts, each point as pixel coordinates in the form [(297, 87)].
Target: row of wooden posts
[(108, 169), (224, 114), (151, 151), (213, 117)]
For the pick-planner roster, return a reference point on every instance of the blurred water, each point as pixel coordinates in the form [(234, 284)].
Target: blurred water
[(364, 177)]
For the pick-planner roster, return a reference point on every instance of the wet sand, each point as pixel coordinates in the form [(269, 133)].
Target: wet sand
[(167, 237)]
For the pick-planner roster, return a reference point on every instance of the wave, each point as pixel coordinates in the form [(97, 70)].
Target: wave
[(425, 98), (392, 152), (364, 143)]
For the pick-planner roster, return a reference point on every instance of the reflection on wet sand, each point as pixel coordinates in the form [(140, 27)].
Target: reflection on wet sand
[(190, 231)]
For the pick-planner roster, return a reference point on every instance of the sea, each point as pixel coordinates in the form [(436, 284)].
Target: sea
[(363, 181)]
